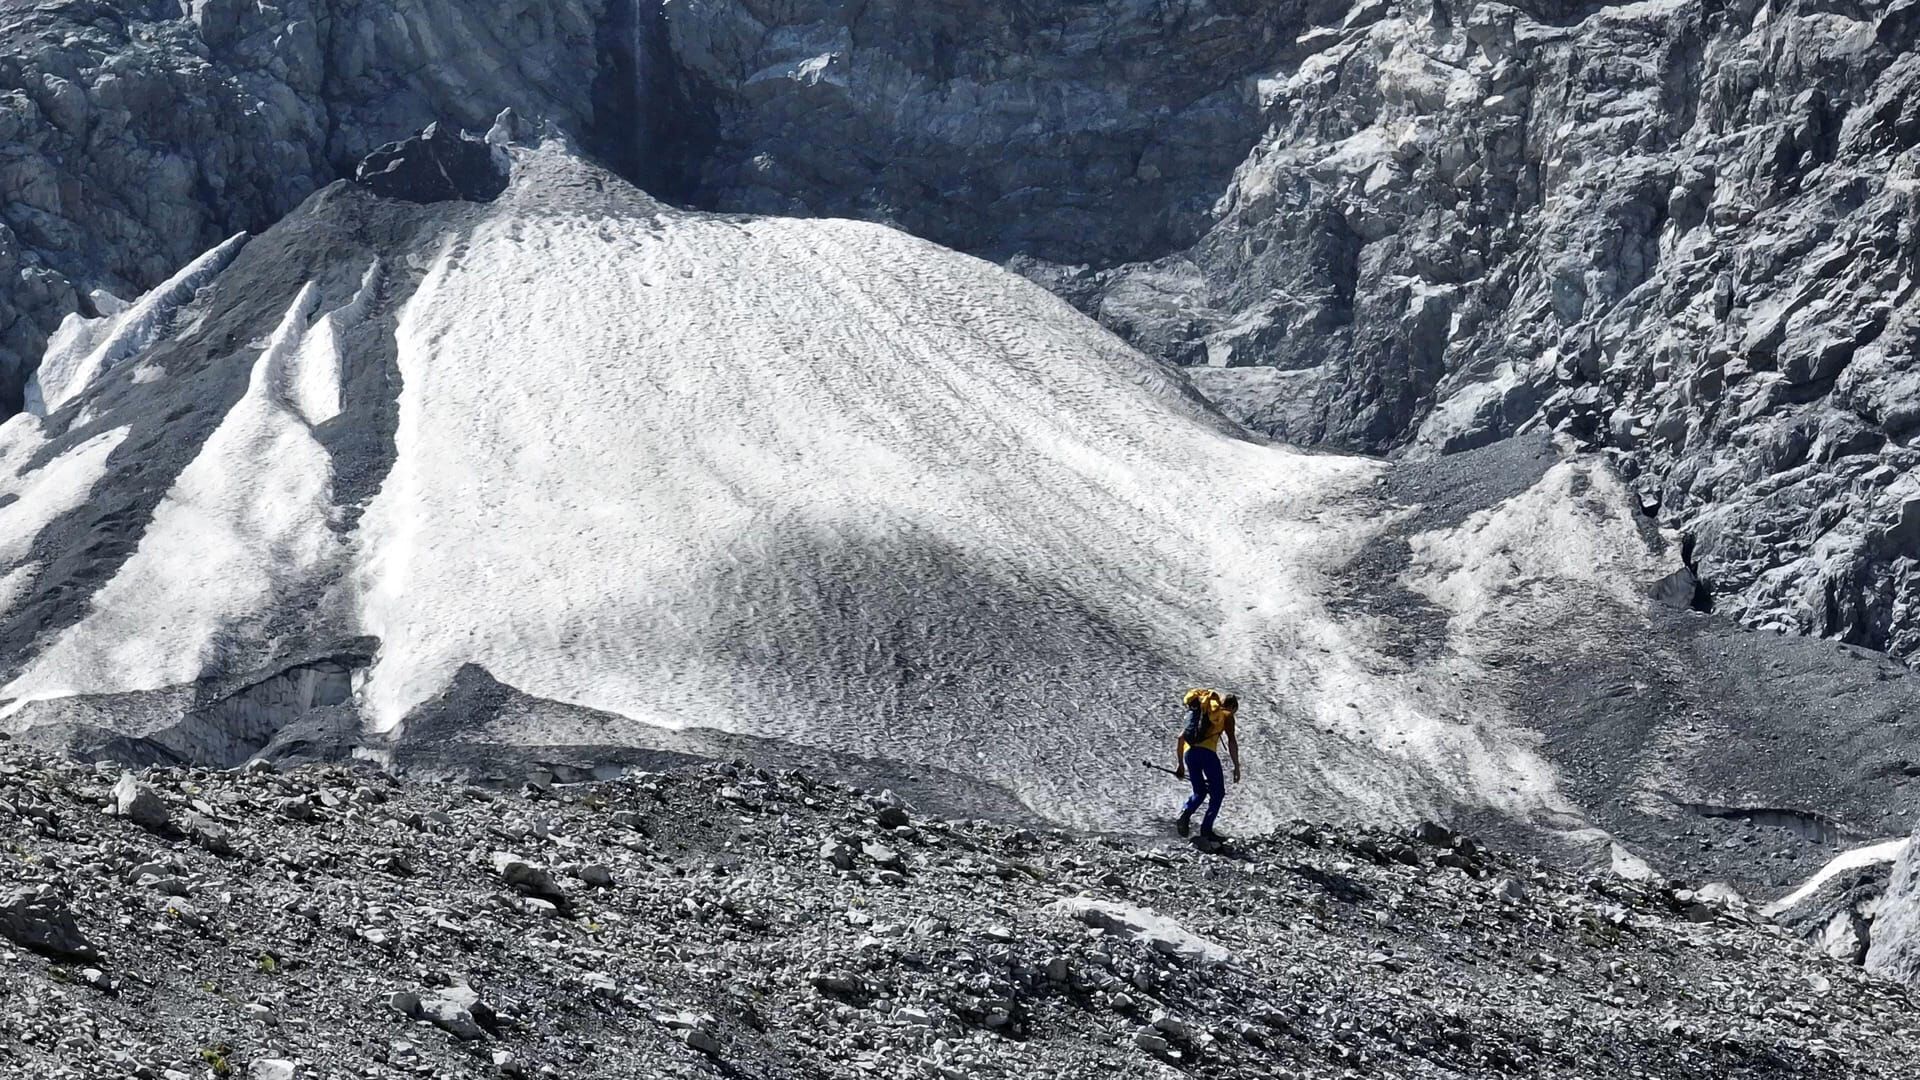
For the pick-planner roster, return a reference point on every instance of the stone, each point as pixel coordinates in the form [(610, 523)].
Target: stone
[(36, 918), (837, 853), (140, 804), (458, 1011), (529, 879), (1894, 952), (1163, 934), (208, 833), (1434, 834), (271, 1069), (701, 1041)]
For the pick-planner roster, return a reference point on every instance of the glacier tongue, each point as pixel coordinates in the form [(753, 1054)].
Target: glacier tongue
[(823, 482)]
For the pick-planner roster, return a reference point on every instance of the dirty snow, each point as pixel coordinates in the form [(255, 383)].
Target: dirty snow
[(1566, 544), (244, 525), (82, 349), (39, 496), (779, 476), (1885, 851)]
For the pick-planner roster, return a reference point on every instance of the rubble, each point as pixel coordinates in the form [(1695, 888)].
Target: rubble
[(730, 947)]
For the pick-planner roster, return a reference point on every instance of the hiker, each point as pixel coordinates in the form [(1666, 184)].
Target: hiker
[(1208, 717)]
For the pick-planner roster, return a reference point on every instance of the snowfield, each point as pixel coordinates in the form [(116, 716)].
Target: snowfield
[(812, 481)]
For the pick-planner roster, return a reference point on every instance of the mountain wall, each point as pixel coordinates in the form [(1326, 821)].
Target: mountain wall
[(134, 136), (1679, 232)]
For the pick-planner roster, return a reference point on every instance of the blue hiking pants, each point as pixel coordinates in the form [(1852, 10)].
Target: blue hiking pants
[(1203, 771)]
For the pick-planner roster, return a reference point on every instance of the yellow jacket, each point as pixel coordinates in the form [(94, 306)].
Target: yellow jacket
[(1216, 716)]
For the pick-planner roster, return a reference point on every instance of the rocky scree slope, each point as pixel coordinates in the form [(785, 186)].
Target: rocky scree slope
[(723, 920)]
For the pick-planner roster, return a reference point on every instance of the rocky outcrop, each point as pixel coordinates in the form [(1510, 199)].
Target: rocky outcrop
[(1895, 950), (435, 166)]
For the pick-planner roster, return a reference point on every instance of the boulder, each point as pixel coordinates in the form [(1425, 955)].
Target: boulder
[(140, 804), (1894, 951), (437, 165), (37, 918)]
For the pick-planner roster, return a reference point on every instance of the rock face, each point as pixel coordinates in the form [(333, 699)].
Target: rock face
[(1895, 948), (1074, 132), (140, 134)]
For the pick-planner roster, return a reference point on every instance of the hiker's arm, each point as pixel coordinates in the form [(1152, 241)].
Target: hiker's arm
[(1180, 756), (1233, 750)]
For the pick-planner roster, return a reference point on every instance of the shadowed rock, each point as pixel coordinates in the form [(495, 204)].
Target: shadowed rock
[(436, 165), (36, 918)]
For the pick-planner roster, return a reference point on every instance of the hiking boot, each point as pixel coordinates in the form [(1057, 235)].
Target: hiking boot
[(1210, 836), (1183, 824)]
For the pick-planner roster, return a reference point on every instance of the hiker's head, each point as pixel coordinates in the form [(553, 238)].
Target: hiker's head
[(1231, 703)]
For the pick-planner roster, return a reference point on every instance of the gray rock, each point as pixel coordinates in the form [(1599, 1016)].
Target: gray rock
[(702, 1041), (271, 1069), (37, 918), (595, 875), (529, 879), (140, 804), (838, 853), (459, 1011), (208, 833), (1895, 949)]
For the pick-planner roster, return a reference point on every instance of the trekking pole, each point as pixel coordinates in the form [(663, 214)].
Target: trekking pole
[(1159, 768)]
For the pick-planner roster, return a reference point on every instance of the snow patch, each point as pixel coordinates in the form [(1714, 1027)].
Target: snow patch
[(1885, 851), (82, 349), (244, 525), (315, 375)]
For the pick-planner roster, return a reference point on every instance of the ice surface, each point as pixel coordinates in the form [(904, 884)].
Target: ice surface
[(242, 529), (84, 348)]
